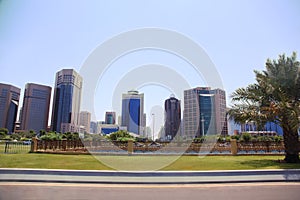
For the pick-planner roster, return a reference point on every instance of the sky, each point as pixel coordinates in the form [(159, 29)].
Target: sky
[(39, 38)]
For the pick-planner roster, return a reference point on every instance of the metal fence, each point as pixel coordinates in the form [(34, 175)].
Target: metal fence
[(15, 147)]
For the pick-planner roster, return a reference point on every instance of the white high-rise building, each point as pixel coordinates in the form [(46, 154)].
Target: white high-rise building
[(85, 120)]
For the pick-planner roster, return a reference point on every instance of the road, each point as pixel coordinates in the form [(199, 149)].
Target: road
[(228, 191)]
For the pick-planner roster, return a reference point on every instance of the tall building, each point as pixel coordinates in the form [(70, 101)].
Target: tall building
[(110, 117), (93, 127), (172, 118), (204, 112), (221, 111), (35, 110), (9, 102), (85, 120), (133, 112), (66, 101)]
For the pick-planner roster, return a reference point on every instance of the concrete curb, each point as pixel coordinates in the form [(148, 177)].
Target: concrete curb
[(147, 177)]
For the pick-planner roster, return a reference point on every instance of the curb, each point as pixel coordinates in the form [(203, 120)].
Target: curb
[(147, 177)]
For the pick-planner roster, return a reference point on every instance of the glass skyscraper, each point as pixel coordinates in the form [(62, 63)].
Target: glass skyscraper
[(204, 112), (66, 101), (9, 103), (133, 112), (172, 118), (110, 117), (35, 110)]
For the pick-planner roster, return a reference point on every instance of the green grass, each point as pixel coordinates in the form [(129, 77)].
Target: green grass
[(88, 162)]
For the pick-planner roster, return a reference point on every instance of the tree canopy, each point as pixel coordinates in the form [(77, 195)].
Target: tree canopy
[(274, 97)]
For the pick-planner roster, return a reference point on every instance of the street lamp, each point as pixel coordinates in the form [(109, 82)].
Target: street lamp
[(153, 119), (202, 121)]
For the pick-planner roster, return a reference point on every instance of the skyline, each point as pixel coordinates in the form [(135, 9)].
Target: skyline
[(41, 38)]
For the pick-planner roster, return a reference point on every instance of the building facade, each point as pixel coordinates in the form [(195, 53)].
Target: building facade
[(172, 118), (133, 112), (93, 127), (66, 101), (85, 121), (35, 109), (9, 103), (204, 112), (221, 111), (110, 117)]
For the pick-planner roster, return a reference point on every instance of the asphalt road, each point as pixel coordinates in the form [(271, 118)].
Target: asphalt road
[(230, 191)]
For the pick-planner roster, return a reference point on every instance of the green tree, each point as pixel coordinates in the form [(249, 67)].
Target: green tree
[(120, 136), (3, 133), (42, 132), (29, 134), (51, 136), (15, 136), (274, 97)]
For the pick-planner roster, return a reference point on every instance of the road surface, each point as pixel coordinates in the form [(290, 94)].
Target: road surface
[(228, 191)]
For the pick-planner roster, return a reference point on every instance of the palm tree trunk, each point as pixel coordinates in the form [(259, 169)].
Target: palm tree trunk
[(292, 145)]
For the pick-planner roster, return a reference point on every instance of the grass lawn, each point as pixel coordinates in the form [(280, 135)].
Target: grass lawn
[(88, 162)]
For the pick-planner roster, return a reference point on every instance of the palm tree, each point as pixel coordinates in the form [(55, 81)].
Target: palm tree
[(274, 97)]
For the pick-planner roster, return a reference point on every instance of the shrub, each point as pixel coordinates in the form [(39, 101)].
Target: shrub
[(237, 137), (246, 137), (51, 136)]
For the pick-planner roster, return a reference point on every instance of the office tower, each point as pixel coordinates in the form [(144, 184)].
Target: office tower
[(93, 127), (204, 112), (66, 101), (144, 124), (35, 110), (85, 120), (133, 112), (9, 102), (172, 118), (221, 111), (110, 118)]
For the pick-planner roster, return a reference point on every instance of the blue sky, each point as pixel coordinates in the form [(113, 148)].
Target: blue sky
[(39, 38)]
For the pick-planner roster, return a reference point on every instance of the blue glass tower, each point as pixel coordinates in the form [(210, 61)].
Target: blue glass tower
[(66, 101), (133, 112), (110, 118)]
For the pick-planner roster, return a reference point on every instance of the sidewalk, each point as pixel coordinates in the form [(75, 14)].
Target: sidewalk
[(144, 177)]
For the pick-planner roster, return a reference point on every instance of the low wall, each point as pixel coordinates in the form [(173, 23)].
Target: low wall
[(110, 147)]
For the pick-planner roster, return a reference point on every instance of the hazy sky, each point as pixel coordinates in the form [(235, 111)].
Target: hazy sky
[(39, 38)]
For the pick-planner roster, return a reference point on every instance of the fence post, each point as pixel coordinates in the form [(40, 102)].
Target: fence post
[(33, 147), (64, 145), (6, 147), (234, 148), (130, 147)]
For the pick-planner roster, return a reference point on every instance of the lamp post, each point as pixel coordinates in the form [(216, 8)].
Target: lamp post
[(153, 119), (202, 121)]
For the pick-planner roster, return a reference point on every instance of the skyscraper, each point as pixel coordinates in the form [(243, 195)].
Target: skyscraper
[(172, 117), (133, 112), (66, 101), (9, 102), (204, 112), (35, 110), (85, 120), (221, 110), (110, 118)]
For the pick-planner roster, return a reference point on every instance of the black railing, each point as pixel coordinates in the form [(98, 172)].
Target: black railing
[(17, 147)]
